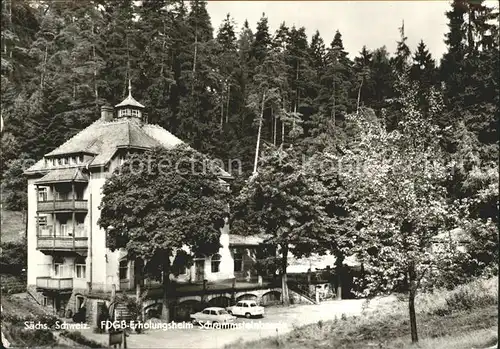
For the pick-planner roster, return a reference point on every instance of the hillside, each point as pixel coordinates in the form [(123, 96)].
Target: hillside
[(12, 227)]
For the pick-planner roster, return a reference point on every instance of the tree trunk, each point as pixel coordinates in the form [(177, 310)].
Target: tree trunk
[(411, 303), (285, 298), (42, 78), (283, 126), (127, 76), (96, 92), (333, 106), (359, 95), (297, 93), (413, 318), (258, 134), (10, 26), (228, 99), (194, 58), (339, 261), (165, 312), (282, 132), (221, 113), (275, 129), (294, 113)]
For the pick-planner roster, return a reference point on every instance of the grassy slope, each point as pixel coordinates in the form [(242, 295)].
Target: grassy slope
[(12, 226), (442, 324)]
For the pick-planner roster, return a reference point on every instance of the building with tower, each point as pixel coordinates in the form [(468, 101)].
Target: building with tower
[(67, 254)]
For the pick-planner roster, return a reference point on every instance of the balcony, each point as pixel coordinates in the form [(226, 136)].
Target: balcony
[(47, 240), (54, 284), (62, 206)]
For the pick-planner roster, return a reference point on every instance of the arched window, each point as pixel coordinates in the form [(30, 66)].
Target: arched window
[(216, 263)]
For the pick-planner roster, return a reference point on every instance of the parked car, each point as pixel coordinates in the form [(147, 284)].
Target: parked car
[(212, 315), (246, 308)]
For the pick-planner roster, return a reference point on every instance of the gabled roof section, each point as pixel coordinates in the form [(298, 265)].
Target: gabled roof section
[(63, 175)]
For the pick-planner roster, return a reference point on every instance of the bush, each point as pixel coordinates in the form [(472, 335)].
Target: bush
[(477, 294), (80, 339), (13, 258), (467, 299), (31, 338)]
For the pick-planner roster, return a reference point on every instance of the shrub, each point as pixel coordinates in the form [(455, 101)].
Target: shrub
[(13, 258), (31, 338), (477, 294)]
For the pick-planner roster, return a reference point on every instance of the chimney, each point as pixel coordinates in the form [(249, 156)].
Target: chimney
[(106, 113)]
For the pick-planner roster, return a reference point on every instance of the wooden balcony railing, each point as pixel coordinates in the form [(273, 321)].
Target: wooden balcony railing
[(62, 205), (48, 230), (51, 283), (61, 243)]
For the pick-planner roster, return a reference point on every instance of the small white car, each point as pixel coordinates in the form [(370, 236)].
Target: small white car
[(246, 308), (212, 315)]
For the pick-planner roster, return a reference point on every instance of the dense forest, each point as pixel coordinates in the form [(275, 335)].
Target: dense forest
[(220, 89)]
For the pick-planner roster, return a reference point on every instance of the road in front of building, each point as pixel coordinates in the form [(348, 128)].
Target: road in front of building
[(277, 322)]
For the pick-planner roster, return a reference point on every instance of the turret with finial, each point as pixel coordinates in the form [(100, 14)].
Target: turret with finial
[(129, 107)]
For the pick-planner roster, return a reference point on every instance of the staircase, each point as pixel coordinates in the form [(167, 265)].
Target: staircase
[(302, 293)]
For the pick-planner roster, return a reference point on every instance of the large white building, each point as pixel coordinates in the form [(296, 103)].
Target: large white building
[(67, 254)]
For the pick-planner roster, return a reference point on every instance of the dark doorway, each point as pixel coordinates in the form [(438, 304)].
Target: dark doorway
[(199, 266)]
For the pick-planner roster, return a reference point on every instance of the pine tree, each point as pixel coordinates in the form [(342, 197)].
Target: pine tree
[(267, 96), (423, 69), (122, 54), (155, 28), (468, 70), (198, 81), (383, 79), (317, 51), (403, 52), (300, 74), (362, 69), (316, 123), (451, 69), (227, 64), (336, 85), (19, 26), (245, 43), (280, 39), (261, 43), (423, 72)]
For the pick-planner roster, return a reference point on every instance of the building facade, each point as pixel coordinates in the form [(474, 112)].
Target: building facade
[(67, 254)]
